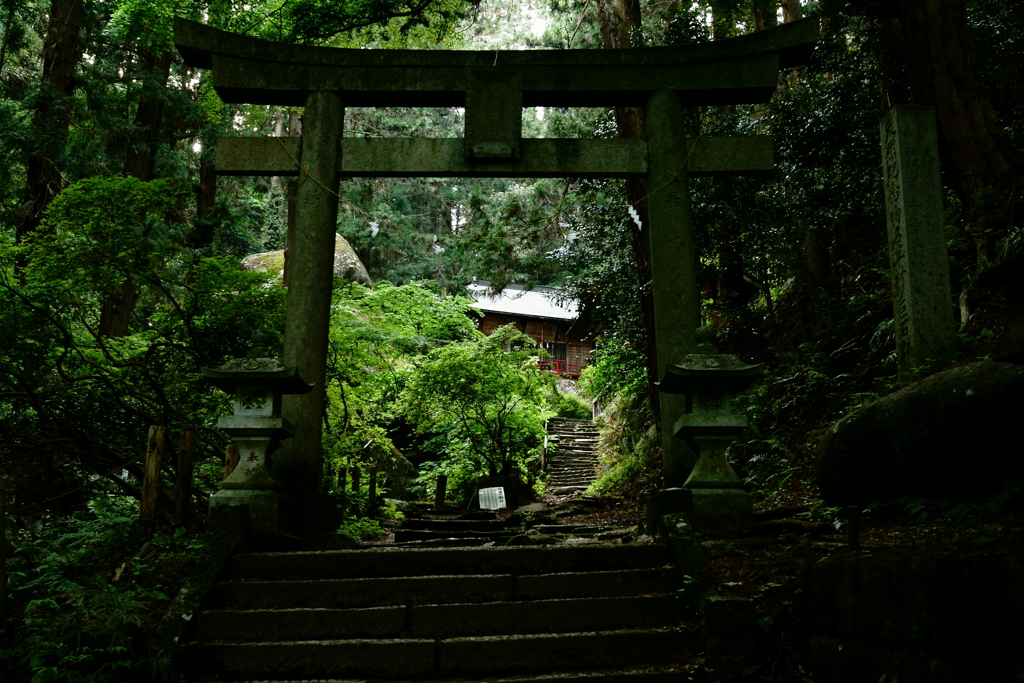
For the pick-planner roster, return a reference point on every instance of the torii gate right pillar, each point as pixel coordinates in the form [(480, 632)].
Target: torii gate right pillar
[(674, 265)]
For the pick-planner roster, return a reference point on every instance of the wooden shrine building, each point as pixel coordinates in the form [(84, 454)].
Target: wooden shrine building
[(539, 314)]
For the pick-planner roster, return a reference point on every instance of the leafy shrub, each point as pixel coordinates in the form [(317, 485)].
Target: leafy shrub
[(570, 405), (78, 625), (362, 529), (486, 395)]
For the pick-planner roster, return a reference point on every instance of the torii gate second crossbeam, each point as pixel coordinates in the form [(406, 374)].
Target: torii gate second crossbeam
[(493, 87)]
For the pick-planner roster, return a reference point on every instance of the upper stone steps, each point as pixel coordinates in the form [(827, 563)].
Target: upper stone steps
[(572, 454)]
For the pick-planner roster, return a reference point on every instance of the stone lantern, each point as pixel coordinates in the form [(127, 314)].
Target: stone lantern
[(713, 494), (257, 382)]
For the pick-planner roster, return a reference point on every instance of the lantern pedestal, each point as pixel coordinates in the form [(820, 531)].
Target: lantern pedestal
[(270, 512), (257, 381)]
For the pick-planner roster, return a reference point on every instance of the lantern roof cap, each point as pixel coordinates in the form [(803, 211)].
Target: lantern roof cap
[(258, 368), (708, 367)]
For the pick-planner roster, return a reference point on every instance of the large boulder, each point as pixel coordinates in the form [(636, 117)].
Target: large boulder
[(953, 436), (346, 263)]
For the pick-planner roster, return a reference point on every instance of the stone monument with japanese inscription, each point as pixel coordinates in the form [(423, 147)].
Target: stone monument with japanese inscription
[(921, 299)]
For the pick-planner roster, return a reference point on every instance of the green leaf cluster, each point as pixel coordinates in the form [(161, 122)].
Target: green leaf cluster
[(486, 395)]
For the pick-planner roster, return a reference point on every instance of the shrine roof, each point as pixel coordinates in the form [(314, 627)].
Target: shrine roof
[(538, 302)]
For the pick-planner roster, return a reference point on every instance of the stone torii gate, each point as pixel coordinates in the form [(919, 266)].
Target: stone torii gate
[(493, 87)]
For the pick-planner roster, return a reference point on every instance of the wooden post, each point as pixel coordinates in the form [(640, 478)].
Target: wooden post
[(853, 527), (371, 496), (151, 479), (230, 459), (356, 476), (183, 477), (342, 480), (441, 492)]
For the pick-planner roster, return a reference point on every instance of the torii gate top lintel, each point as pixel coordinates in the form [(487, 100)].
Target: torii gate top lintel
[(257, 71)]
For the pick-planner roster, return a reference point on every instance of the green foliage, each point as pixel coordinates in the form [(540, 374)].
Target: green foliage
[(78, 625), (377, 337), (629, 448), (570, 405), (1009, 499), (486, 394), (391, 23), (361, 529), (618, 367), (83, 388)]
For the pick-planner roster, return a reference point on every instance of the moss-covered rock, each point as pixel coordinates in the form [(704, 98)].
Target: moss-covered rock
[(952, 436), (346, 263)]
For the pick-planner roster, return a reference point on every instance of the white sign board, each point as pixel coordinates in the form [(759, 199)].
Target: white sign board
[(492, 499)]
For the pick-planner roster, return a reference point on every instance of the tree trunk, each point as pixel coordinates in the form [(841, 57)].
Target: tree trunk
[(151, 480), (813, 258), (116, 311), (616, 18), (371, 493), (765, 14), (139, 162), (792, 10), (7, 34), (140, 155), (3, 551), (53, 113), (183, 478), (356, 476)]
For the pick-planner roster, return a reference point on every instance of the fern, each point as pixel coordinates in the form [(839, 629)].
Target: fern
[(79, 627)]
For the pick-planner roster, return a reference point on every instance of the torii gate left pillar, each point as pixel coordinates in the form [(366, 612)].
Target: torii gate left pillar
[(308, 317)]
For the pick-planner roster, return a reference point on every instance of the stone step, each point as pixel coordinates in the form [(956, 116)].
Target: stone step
[(441, 621), (645, 675), (470, 542), (404, 535), (412, 562), (444, 659), (453, 524), (567, 489), (571, 528), (428, 590)]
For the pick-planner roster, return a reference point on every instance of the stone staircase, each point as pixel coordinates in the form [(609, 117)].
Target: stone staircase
[(572, 454), (598, 613), (452, 527)]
